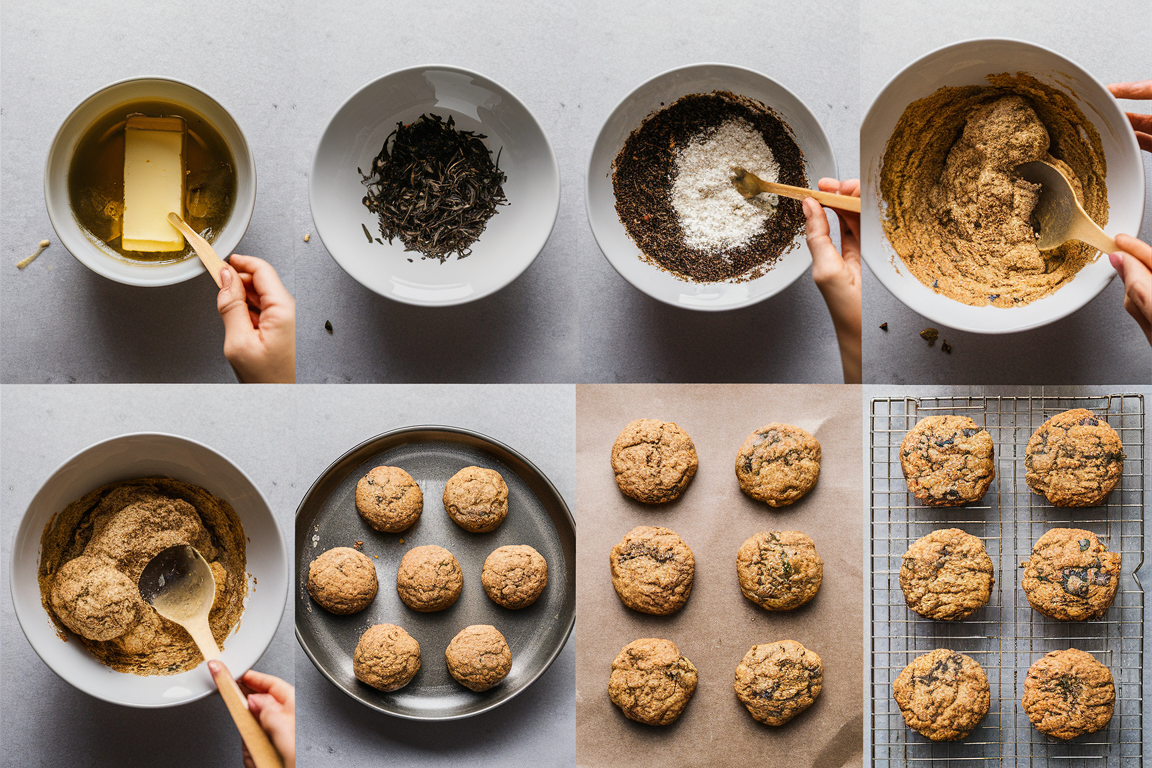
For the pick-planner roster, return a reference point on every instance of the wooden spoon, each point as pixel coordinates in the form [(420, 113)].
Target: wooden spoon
[(212, 262), (1059, 213), (179, 584), (749, 185)]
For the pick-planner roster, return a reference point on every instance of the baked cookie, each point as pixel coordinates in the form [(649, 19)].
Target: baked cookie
[(943, 695), (947, 461), (1074, 459), (342, 580), (777, 464), (651, 682), (514, 576), (476, 499), (1071, 575), (389, 499), (1068, 694), (95, 599), (429, 578), (652, 570), (386, 658), (653, 460), (946, 575), (779, 570), (478, 657), (777, 681)]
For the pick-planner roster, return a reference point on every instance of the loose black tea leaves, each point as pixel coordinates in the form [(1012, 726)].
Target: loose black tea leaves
[(434, 187)]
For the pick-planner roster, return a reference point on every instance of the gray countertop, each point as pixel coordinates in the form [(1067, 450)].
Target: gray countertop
[(1100, 342)]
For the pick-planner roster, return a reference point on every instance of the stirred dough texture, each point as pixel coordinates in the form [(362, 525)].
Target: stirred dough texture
[(1071, 575), (653, 460), (342, 581), (514, 576), (1068, 694), (946, 575), (947, 461), (478, 657), (943, 695), (1074, 459), (777, 681), (93, 599), (386, 658), (779, 570), (652, 570), (429, 578), (476, 498), (389, 499), (778, 464), (651, 682)]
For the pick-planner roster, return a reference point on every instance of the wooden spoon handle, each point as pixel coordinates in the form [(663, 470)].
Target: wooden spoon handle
[(1088, 231), (264, 755), (211, 261), (843, 202)]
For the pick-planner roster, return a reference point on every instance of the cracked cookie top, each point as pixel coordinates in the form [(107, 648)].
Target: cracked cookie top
[(947, 461), (777, 681), (1068, 693), (1074, 459), (943, 695), (946, 575), (779, 570), (651, 682), (778, 463), (652, 570), (653, 460), (1071, 575)]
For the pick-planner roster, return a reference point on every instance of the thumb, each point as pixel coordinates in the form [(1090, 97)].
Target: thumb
[(232, 303)]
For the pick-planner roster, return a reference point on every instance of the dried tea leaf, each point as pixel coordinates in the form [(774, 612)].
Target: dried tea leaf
[(930, 335)]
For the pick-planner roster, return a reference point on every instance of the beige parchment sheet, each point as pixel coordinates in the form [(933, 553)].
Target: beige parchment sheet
[(718, 625)]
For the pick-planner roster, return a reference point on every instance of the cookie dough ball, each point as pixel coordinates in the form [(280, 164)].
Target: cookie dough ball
[(1071, 575), (476, 499), (95, 600), (777, 464), (1068, 694), (946, 575), (652, 570), (389, 499), (429, 579), (779, 570), (514, 576), (947, 461), (653, 460), (386, 658), (777, 681), (651, 682), (342, 581), (478, 657), (943, 695), (1074, 459)]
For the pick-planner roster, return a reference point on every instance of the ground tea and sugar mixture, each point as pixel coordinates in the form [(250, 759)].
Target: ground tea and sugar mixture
[(93, 552), (674, 194), (959, 215)]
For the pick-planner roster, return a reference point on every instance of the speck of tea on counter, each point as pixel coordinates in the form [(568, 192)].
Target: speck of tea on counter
[(883, 326), (946, 347), (328, 326), (29, 259), (307, 236), (930, 335)]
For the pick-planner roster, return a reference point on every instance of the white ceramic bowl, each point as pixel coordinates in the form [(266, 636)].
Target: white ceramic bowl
[(142, 455), (623, 254), (969, 63), (512, 238), (107, 262)]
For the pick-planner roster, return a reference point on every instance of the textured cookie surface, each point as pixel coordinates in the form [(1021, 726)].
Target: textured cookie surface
[(943, 695), (478, 657), (778, 463), (779, 570), (653, 460), (1074, 459), (342, 580), (1071, 575), (386, 657), (947, 461), (389, 499), (429, 578), (1068, 693), (651, 682), (946, 575), (652, 570), (514, 576), (476, 498), (777, 681)]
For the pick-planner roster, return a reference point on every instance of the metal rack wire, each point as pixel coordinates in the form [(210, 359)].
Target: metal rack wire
[(1006, 636)]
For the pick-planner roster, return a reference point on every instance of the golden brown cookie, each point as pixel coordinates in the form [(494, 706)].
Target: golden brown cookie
[(1074, 459), (1068, 694), (1071, 575), (386, 658), (946, 575), (653, 460), (94, 599), (389, 499), (429, 578), (651, 682), (342, 580), (652, 570), (476, 499), (478, 657), (777, 681), (514, 576), (947, 461), (943, 695), (779, 570), (778, 463)]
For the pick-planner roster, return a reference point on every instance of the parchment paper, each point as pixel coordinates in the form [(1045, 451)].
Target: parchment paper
[(718, 625)]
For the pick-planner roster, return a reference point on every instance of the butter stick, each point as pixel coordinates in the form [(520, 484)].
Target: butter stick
[(153, 182)]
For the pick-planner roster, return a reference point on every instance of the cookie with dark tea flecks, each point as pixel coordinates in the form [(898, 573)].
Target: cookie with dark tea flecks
[(1071, 575), (947, 461)]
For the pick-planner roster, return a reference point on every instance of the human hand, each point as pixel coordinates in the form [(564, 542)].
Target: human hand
[(838, 277), (259, 321), (273, 702), (1134, 265), (1142, 124)]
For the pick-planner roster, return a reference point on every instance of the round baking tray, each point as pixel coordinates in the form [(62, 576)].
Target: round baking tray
[(537, 516)]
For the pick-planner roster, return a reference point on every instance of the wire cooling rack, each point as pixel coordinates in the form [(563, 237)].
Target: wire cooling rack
[(1006, 636)]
